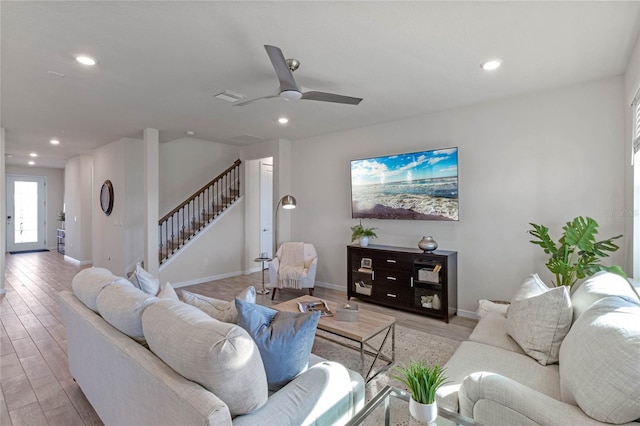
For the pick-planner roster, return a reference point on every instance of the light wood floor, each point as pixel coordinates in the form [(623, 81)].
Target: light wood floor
[(37, 388)]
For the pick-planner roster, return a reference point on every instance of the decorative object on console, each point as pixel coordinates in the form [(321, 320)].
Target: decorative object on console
[(423, 382), (426, 301), (419, 185), (577, 254), (359, 232), (427, 244), (61, 219), (288, 202), (436, 302)]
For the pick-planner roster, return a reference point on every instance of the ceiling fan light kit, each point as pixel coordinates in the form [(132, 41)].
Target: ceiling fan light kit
[(289, 88)]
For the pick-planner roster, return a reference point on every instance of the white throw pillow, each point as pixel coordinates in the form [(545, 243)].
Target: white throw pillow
[(599, 286), (145, 281), (167, 292), (221, 357), (600, 361), (122, 307), (539, 318), (486, 306), (88, 283), (219, 309)]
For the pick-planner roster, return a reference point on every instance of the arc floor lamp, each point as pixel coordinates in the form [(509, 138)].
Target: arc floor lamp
[(287, 202)]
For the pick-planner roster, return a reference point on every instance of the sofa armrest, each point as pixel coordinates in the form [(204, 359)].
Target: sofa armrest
[(493, 399), (321, 395)]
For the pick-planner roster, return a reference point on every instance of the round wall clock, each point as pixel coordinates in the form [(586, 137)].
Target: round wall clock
[(106, 197)]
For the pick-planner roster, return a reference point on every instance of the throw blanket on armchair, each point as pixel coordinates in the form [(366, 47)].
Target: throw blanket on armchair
[(291, 269)]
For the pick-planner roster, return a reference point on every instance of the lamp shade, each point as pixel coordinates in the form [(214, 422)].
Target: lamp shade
[(288, 202)]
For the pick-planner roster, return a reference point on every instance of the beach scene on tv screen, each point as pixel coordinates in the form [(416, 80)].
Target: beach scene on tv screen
[(419, 185)]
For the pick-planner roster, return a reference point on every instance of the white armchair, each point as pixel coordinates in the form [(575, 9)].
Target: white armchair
[(308, 278)]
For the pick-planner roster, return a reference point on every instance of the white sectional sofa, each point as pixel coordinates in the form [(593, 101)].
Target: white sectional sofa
[(597, 379), (127, 384)]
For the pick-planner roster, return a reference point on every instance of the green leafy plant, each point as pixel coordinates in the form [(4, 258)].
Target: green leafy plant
[(577, 253), (358, 231), (423, 381)]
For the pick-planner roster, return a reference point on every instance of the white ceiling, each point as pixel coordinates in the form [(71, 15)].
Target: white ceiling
[(160, 63)]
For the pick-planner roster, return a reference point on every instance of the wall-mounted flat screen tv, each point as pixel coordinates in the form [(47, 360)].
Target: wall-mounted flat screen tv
[(416, 186)]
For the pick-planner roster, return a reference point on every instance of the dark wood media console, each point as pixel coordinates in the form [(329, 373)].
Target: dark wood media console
[(398, 277)]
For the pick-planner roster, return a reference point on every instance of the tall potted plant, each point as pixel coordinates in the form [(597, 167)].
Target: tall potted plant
[(423, 382), (577, 254), (358, 232)]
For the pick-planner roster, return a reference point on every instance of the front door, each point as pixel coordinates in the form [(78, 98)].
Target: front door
[(26, 207)]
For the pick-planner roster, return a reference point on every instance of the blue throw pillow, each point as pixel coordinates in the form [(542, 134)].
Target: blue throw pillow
[(284, 339)]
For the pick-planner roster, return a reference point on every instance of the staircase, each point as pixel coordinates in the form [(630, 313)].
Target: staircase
[(184, 222)]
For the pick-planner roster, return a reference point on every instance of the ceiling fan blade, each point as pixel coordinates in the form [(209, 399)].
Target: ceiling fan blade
[(285, 76), (330, 97), (252, 100)]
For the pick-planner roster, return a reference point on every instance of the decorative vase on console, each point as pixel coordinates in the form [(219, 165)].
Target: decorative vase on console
[(427, 244), (364, 241), (436, 302)]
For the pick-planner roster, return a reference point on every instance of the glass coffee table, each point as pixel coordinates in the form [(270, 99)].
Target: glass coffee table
[(391, 407)]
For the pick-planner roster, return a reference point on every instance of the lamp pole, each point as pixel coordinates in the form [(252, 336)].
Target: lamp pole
[(287, 202)]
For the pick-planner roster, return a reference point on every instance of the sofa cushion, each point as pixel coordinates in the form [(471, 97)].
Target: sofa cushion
[(283, 338), (600, 285), (471, 357), (219, 309), (219, 356), (492, 330), (122, 305), (88, 283), (167, 292), (144, 280), (540, 319), (600, 361)]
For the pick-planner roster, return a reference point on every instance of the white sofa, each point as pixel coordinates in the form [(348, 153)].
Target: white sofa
[(597, 380), (127, 384)]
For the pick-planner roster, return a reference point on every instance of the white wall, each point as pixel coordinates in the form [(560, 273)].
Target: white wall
[(543, 158), (113, 236), (78, 178), (3, 214), (188, 164), (213, 254), (54, 193), (632, 207)]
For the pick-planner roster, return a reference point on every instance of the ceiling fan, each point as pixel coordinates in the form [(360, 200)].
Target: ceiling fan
[(289, 89)]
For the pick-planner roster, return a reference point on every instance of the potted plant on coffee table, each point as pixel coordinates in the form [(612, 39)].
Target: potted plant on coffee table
[(358, 232), (423, 382), (577, 254)]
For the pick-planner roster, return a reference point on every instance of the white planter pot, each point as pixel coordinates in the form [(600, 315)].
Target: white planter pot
[(427, 413), (364, 241)]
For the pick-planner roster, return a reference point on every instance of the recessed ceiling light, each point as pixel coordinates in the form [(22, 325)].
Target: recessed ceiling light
[(190, 133), (31, 163), (54, 142), (492, 64), (85, 60), (33, 154), (9, 155), (283, 120)]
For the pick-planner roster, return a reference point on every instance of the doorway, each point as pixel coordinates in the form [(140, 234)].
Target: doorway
[(266, 207), (26, 208)]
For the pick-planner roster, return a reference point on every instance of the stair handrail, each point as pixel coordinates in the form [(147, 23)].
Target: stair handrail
[(198, 192)]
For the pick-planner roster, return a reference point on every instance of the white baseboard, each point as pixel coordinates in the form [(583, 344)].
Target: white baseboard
[(467, 314), (76, 261), (331, 286), (206, 279)]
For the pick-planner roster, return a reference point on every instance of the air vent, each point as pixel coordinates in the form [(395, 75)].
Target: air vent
[(245, 139), (230, 96)]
